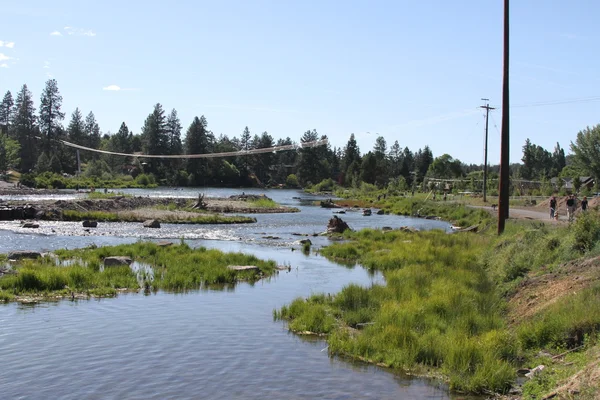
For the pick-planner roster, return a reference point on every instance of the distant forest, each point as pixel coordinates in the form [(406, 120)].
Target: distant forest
[(30, 143)]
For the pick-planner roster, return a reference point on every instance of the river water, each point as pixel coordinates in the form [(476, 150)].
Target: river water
[(209, 344)]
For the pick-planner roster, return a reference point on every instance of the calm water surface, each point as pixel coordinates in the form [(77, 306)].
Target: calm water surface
[(215, 344)]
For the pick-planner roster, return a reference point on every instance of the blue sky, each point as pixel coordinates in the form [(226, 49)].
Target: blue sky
[(412, 71)]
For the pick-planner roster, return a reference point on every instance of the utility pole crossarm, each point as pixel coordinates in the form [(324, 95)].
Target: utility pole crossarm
[(485, 149)]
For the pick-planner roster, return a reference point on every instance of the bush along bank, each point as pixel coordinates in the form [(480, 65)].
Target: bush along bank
[(173, 268), (449, 305)]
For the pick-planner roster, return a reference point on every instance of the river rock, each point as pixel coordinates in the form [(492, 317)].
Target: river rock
[(90, 224), (117, 261), (337, 225), (21, 254), (306, 241), (151, 223), (164, 243), (380, 212), (31, 225)]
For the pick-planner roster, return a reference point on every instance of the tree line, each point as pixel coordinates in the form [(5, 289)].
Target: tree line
[(30, 141)]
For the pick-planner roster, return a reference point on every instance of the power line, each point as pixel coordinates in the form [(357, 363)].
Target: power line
[(558, 102)]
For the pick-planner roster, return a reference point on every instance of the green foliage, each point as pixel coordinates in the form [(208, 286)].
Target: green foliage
[(437, 308), (145, 180), (326, 185), (175, 268), (264, 203), (292, 181)]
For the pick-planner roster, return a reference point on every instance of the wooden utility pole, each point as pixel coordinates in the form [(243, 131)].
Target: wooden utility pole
[(504, 146), (485, 148)]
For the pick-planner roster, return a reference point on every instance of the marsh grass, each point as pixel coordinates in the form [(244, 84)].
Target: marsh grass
[(264, 203), (177, 268), (437, 309), (73, 215)]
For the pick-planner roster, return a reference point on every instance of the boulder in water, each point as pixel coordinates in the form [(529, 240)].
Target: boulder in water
[(151, 223), (31, 225), (21, 254), (117, 261), (337, 225), (90, 224)]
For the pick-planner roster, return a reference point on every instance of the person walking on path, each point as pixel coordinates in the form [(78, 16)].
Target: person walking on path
[(571, 206), (552, 206), (584, 203)]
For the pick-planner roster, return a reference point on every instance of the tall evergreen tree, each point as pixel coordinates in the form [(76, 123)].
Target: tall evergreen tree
[(154, 137), (350, 161), (197, 142), (6, 112), (263, 161), (51, 115), (76, 128), (395, 157), (120, 142), (311, 165), (25, 129), (559, 160), (173, 132), (382, 162), (92, 133)]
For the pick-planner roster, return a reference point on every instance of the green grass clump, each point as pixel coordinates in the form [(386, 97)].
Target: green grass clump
[(175, 268), (437, 309), (264, 203)]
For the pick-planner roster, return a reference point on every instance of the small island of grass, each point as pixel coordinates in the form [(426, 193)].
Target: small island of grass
[(174, 268)]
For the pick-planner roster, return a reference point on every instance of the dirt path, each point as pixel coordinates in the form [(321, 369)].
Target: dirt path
[(529, 213)]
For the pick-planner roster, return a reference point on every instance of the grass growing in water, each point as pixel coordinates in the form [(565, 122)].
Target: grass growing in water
[(176, 268), (264, 203), (437, 309)]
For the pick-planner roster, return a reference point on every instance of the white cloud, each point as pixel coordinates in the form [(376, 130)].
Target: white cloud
[(10, 45), (79, 31), (56, 33), (4, 57), (46, 64), (113, 88), (5, 65), (49, 75)]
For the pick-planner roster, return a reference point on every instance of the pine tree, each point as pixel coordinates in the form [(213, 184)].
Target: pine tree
[(51, 115), (154, 136), (6, 112), (25, 129), (120, 142), (395, 157), (76, 128), (350, 161), (197, 142), (92, 134), (173, 131)]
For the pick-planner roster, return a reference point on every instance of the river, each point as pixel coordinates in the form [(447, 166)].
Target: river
[(209, 344)]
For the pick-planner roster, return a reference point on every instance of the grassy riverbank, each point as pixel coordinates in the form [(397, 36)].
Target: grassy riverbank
[(451, 303), (173, 268)]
